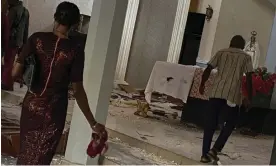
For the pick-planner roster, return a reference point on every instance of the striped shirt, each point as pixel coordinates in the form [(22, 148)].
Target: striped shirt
[(231, 64)]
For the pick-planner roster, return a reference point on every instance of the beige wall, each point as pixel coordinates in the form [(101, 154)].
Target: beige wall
[(241, 17), (151, 39), (209, 30), (42, 12)]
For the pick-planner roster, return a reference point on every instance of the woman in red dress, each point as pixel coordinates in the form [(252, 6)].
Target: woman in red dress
[(61, 61)]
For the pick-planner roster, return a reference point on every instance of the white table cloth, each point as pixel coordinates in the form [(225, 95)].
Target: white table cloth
[(171, 79)]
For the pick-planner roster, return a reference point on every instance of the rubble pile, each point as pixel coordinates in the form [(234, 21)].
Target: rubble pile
[(161, 105)]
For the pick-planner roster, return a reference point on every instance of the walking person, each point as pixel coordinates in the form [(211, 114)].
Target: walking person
[(18, 26), (61, 61), (226, 95)]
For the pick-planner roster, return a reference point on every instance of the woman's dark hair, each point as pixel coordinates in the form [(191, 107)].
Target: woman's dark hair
[(67, 14), (237, 42)]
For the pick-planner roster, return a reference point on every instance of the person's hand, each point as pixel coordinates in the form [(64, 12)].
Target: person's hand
[(15, 59), (201, 89), (246, 103), (99, 129), (3, 60)]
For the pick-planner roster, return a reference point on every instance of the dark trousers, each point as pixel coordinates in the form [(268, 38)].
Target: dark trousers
[(211, 124)]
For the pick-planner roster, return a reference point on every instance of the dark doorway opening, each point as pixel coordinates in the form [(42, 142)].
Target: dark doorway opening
[(192, 38)]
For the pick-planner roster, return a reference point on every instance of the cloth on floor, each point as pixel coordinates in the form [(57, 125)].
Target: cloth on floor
[(197, 81), (171, 79)]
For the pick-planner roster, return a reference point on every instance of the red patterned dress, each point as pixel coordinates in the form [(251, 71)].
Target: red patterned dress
[(61, 61)]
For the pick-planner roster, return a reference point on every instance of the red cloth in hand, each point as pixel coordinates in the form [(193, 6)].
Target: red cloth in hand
[(98, 145)]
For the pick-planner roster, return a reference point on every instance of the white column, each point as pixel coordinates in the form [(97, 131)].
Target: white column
[(129, 26), (178, 30), (101, 53)]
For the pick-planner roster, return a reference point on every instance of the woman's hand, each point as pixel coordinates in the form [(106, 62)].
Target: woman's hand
[(98, 128), (15, 59), (82, 101)]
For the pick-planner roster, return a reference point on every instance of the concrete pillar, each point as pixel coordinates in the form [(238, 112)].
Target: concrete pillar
[(178, 30), (101, 53), (127, 36), (273, 154)]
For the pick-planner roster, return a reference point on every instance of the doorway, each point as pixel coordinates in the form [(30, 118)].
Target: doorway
[(192, 38)]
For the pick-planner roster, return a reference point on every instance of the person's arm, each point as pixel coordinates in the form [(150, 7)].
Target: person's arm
[(206, 74), (79, 92), (18, 67), (82, 102)]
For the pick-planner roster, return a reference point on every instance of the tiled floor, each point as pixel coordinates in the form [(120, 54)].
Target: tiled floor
[(118, 153), (172, 136)]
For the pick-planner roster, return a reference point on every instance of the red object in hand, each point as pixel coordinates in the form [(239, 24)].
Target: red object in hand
[(98, 145)]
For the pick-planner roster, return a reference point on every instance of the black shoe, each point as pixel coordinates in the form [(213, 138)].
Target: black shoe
[(205, 159), (213, 154)]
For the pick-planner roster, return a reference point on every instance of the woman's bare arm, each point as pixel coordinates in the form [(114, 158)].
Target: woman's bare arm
[(18, 66), (82, 101), (206, 74), (17, 70)]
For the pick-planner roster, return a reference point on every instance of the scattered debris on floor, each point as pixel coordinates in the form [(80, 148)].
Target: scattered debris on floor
[(233, 156), (10, 128), (142, 109), (186, 139), (9, 160), (127, 88), (162, 105), (176, 136), (124, 154), (119, 152), (144, 136)]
